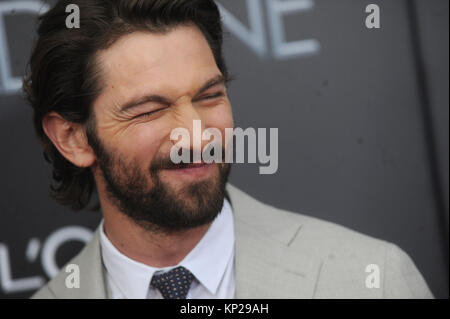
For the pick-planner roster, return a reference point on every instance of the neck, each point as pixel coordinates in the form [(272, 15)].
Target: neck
[(155, 249)]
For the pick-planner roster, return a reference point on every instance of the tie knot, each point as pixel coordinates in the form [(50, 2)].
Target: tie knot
[(173, 284)]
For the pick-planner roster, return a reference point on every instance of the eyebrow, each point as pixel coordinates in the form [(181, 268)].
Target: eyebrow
[(218, 79)]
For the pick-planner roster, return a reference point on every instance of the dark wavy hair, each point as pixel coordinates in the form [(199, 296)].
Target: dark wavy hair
[(62, 74)]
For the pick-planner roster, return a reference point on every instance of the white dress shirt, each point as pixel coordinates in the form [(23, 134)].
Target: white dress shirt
[(211, 261)]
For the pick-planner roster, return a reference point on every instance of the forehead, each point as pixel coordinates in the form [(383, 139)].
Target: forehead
[(143, 62)]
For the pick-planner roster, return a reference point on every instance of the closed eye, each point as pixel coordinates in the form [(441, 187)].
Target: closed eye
[(213, 96), (150, 113), (207, 97)]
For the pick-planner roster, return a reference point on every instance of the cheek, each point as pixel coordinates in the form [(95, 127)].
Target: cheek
[(144, 142), (221, 117), (225, 120)]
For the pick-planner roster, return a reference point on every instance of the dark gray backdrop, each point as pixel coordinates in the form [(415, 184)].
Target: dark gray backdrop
[(362, 117)]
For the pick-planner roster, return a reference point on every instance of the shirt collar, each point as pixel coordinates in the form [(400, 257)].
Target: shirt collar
[(207, 261), (209, 258)]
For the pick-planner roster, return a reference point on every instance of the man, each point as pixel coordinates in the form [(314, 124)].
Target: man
[(106, 98)]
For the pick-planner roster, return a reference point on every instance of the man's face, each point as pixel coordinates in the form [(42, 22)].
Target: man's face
[(152, 84)]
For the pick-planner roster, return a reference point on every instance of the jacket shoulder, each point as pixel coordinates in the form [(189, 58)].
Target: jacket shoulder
[(350, 256), (91, 276), (347, 256), (52, 289), (276, 221)]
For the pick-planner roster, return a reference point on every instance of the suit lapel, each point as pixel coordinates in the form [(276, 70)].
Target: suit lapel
[(266, 266)]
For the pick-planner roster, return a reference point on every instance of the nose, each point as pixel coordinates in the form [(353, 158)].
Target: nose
[(189, 118)]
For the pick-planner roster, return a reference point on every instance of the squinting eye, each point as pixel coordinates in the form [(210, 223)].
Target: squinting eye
[(146, 114), (150, 113), (209, 97)]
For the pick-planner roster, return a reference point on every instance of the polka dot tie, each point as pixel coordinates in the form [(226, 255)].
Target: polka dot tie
[(173, 284)]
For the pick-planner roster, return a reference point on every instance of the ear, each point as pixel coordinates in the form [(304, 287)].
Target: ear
[(69, 138)]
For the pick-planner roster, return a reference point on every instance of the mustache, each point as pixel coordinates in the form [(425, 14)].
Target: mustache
[(166, 163)]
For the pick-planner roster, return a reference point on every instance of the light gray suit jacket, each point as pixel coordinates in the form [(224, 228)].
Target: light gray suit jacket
[(281, 254)]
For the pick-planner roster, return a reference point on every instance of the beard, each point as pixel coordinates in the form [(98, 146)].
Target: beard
[(153, 203)]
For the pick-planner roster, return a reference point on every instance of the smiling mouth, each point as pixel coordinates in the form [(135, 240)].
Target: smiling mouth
[(192, 169)]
